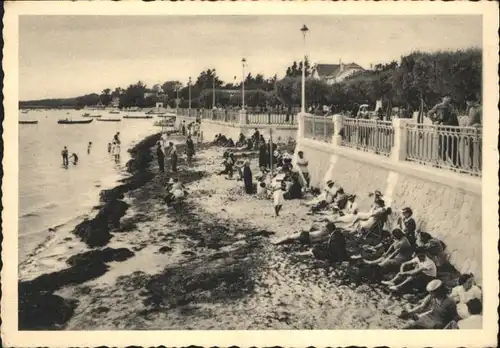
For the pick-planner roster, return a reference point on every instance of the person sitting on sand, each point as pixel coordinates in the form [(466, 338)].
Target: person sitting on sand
[(470, 314), (294, 190), (241, 140), (466, 289), (230, 143), (325, 198), (175, 192), (334, 249), (407, 224), (340, 200), (435, 311), (261, 190), (432, 247), (228, 164), (365, 221), (310, 237), (399, 252), (417, 272), (348, 215)]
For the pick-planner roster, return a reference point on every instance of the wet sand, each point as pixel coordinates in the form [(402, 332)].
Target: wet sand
[(210, 264)]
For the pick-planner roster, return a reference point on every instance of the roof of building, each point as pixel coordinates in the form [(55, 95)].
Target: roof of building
[(332, 70)]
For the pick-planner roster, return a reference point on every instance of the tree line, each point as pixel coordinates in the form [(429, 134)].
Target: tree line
[(418, 77)]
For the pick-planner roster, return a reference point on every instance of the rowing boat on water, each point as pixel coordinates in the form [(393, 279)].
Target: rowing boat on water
[(28, 122), (74, 122), (109, 119), (94, 116), (130, 116)]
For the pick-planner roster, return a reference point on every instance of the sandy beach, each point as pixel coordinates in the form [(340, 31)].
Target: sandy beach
[(210, 264)]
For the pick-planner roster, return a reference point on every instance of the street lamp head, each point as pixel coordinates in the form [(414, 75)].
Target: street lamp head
[(304, 29)]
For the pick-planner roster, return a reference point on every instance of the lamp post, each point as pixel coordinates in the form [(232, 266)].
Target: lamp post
[(177, 99), (304, 31), (213, 89), (189, 84), (243, 61)]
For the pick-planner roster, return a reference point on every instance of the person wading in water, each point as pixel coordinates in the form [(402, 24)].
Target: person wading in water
[(64, 154)]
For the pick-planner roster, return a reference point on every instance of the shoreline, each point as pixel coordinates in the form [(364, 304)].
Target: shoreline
[(36, 296)]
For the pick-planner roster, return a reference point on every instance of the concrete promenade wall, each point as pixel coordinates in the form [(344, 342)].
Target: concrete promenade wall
[(445, 204)]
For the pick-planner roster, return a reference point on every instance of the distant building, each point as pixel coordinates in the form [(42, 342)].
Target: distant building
[(115, 102), (334, 73)]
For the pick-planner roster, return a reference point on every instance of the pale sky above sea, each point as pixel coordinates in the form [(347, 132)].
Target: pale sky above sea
[(67, 56)]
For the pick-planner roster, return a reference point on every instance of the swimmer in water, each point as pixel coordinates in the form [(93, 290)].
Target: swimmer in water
[(75, 158), (64, 154)]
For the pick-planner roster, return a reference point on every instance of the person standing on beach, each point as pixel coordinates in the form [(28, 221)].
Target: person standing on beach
[(172, 151), (64, 154), (279, 198), (116, 138), (302, 166), (75, 158), (247, 178), (116, 151), (189, 149), (161, 157), (109, 147), (89, 147)]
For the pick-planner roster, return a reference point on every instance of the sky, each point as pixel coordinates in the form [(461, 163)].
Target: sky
[(67, 56)]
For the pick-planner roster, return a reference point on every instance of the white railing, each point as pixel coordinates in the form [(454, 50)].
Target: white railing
[(449, 147), (271, 118), (368, 135), (319, 128)]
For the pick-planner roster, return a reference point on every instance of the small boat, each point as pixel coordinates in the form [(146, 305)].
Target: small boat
[(133, 116), (109, 119), (74, 122), (86, 115), (114, 112), (28, 122), (89, 115)]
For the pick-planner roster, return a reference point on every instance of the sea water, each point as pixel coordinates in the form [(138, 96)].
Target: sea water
[(54, 197)]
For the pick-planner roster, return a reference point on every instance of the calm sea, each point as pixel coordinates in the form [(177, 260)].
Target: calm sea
[(51, 196)]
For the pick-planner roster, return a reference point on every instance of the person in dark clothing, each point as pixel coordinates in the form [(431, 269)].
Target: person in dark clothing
[(173, 156), (247, 178), (256, 137), (109, 147), (116, 138), (263, 157), (183, 128), (241, 140), (443, 114), (75, 158), (64, 154), (334, 249), (189, 149), (295, 190), (408, 225), (161, 157)]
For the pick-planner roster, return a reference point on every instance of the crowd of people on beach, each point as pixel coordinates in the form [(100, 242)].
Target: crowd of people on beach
[(404, 260)]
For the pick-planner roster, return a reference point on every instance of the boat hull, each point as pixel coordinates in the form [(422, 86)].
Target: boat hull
[(109, 120), (28, 122), (139, 117), (74, 122)]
